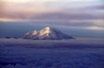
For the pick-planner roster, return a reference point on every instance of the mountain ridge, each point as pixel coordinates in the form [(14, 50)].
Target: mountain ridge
[(47, 33)]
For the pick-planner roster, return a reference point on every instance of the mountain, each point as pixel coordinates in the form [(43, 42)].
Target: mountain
[(46, 33)]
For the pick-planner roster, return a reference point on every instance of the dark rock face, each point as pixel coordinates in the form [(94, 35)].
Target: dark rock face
[(46, 33)]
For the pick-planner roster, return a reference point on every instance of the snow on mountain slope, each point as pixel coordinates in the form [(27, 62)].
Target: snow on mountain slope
[(47, 33)]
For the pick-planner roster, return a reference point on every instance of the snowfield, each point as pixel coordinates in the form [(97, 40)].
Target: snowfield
[(74, 53)]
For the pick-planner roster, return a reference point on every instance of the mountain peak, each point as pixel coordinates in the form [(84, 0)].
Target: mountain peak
[(47, 28), (47, 33)]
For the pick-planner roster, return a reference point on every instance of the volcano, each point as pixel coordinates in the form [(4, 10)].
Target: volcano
[(46, 33)]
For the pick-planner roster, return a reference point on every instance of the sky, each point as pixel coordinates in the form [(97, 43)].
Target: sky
[(67, 12)]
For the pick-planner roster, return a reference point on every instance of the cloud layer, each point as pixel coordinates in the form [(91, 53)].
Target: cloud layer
[(75, 12)]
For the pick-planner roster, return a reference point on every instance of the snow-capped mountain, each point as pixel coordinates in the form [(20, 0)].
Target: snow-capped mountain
[(46, 33)]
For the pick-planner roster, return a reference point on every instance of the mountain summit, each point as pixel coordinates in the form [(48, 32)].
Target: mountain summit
[(46, 33)]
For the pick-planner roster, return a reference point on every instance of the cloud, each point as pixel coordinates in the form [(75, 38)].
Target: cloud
[(98, 23), (51, 9), (2, 7)]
